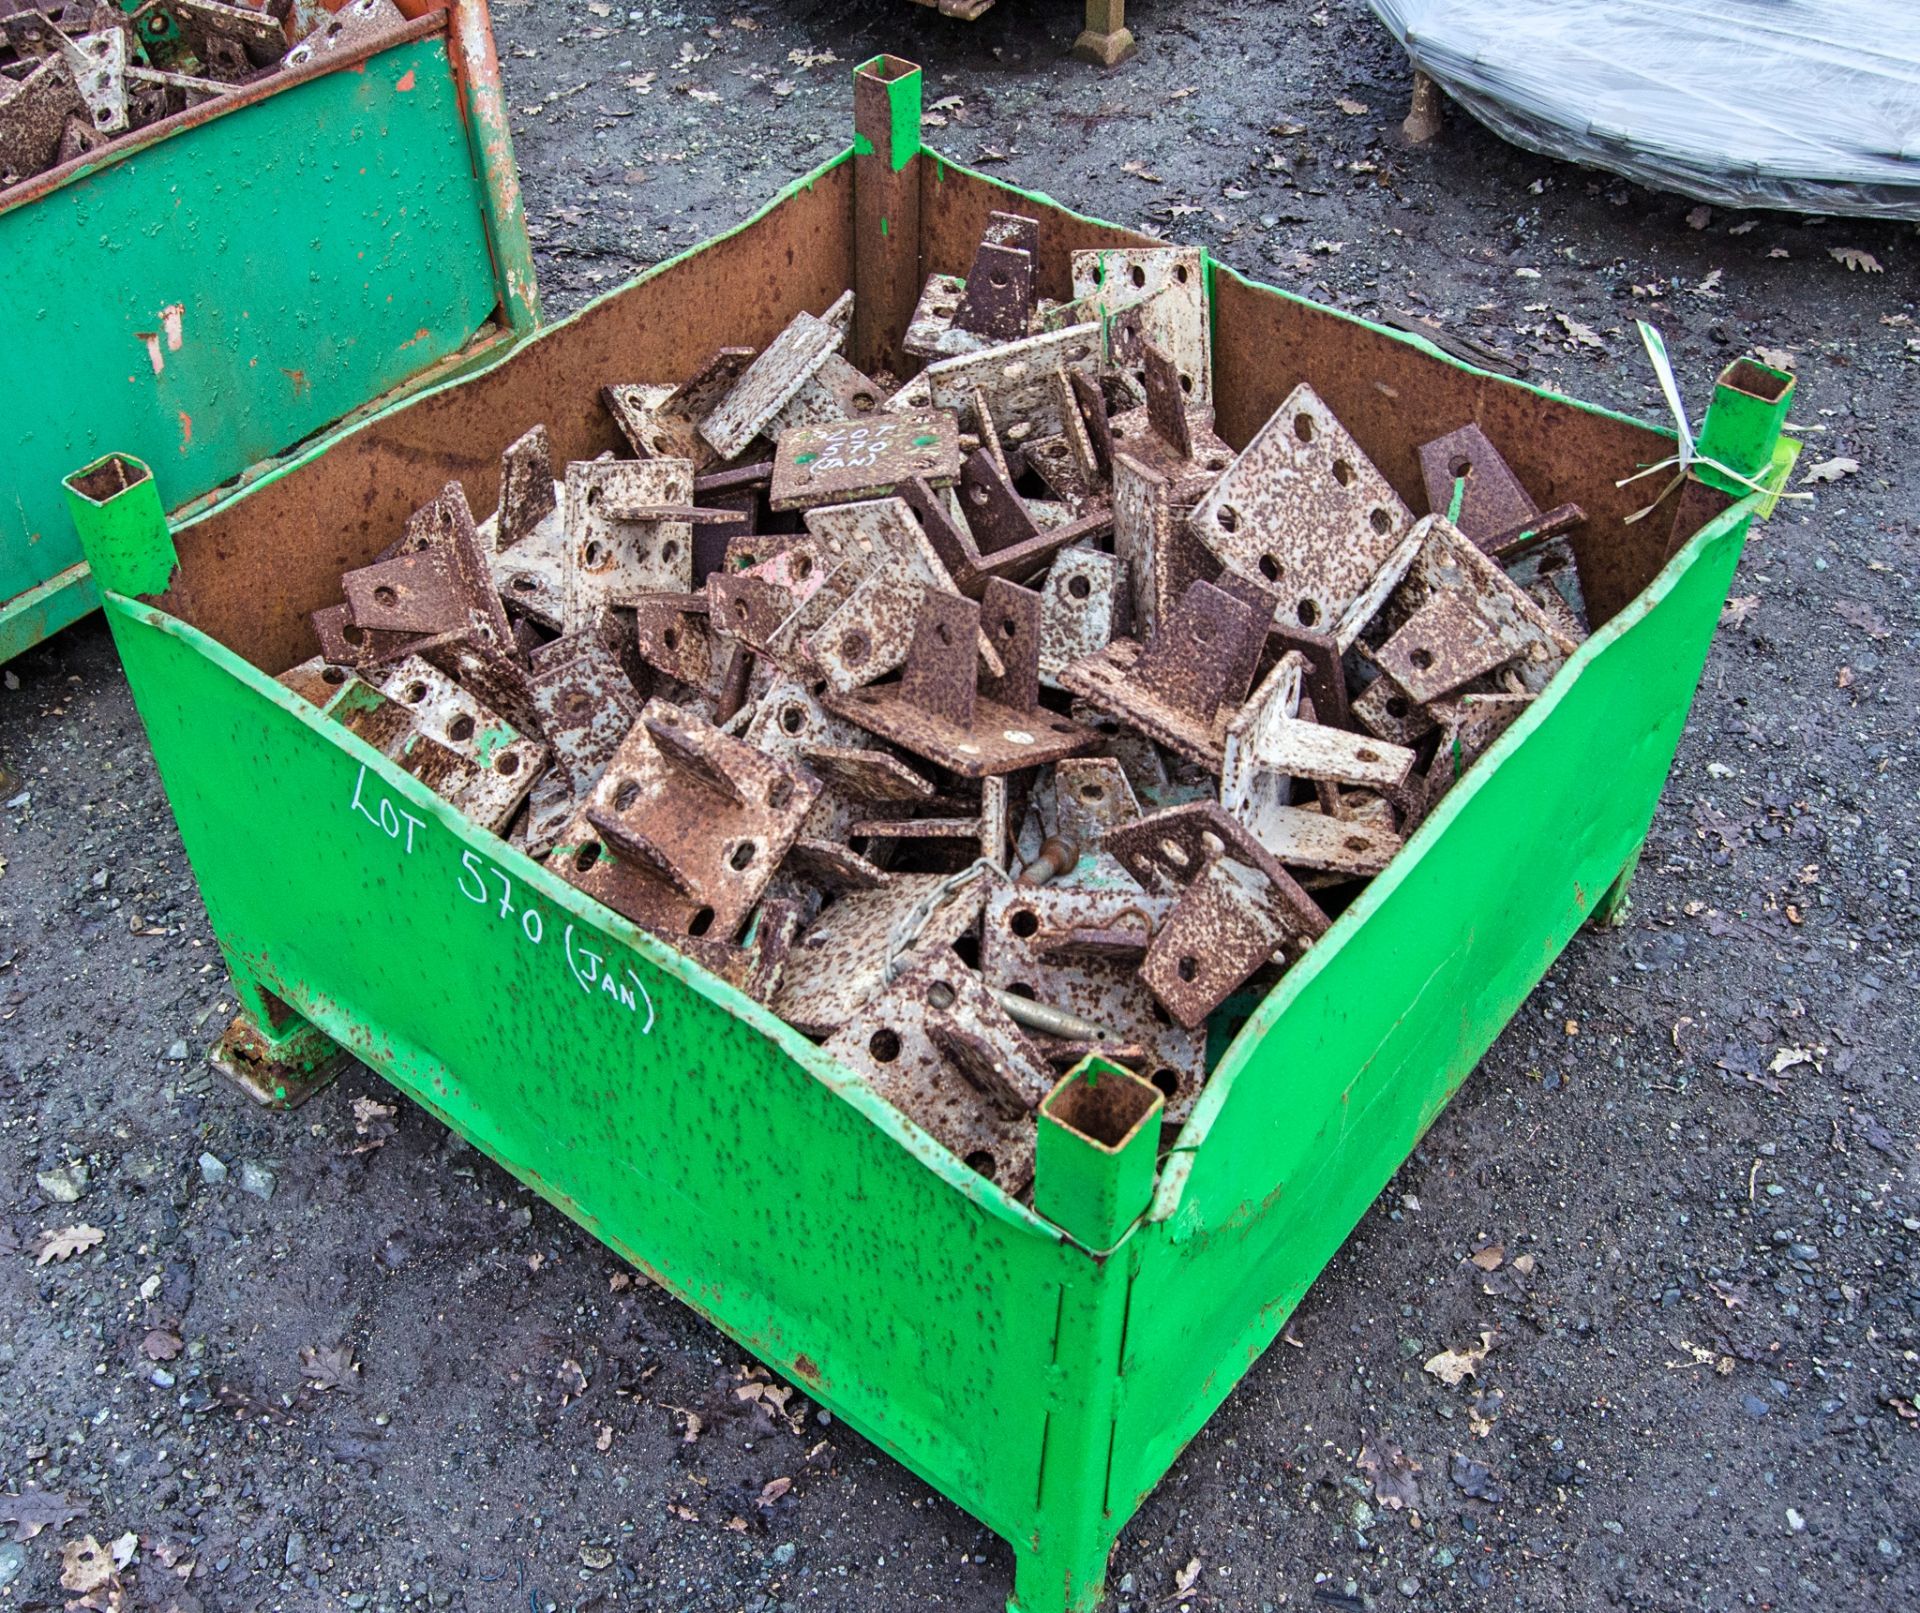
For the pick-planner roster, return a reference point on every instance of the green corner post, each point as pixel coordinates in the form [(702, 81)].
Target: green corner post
[(273, 1054)]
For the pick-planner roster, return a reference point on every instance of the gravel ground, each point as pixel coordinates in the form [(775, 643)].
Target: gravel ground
[(339, 1359)]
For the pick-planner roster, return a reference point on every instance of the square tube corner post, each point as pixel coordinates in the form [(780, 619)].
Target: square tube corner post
[(123, 532), (886, 210)]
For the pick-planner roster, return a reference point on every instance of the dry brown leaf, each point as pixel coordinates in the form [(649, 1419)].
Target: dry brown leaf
[(1352, 108), (771, 1492), (1451, 1366), (1140, 170), (64, 1242), (1854, 259), (1391, 1472), (84, 1565), (33, 1510), (1489, 1256), (737, 1525), (1581, 335), (1526, 1264), (1831, 470), (603, 1441), (693, 1421), (1777, 358), (1856, 613), (1188, 1577), (330, 1368), (1738, 609), (804, 59)]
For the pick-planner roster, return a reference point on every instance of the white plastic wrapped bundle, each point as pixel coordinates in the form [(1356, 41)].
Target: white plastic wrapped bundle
[(1812, 105)]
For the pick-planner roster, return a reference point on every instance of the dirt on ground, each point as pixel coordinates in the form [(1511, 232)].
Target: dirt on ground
[(339, 1359)]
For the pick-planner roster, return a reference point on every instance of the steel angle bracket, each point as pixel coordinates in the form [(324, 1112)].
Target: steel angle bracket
[(931, 332), (1083, 608), (529, 504), (772, 380), (663, 422), (618, 548), (970, 567), (435, 730), (1446, 561), (1494, 510), (941, 709), (1183, 685), (862, 939), (1016, 381), (1443, 644), (997, 302), (1080, 949), (673, 634), (1305, 512), (685, 827), (1152, 295), (836, 391), (1238, 907), (938, 1047)]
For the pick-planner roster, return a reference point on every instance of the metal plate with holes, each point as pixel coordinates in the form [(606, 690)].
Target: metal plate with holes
[(1443, 644), (615, 554), (939, 708), (674, 635), (1151, 294), (1304, 511), (1223, 930), (846, 461), (1491, 497), (840, 963), (1170, 848), (1469, 725), (421, 719), (939, 1049), (931, 333), (1080, 949), (1447, 561), (1163, 558), (1300, 838), (1309, 750), (835, 391), (1387, 711), (587, 706), (685, 827), (352, 22), (1082, 609), (1091, 795), (1253, 787), (769, 383), (1184, 685), (529, 494), (1016, 381)]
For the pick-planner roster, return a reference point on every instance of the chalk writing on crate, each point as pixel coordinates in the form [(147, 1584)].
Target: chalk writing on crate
[(479, 880)]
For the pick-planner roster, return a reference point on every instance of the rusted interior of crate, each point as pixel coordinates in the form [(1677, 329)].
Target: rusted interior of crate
[(251, 574)]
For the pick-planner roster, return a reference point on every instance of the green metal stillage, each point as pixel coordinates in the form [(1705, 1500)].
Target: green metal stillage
[(1043, 1367), (219, 287)]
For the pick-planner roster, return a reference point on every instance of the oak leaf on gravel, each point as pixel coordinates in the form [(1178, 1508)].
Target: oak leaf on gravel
[(1451, 1366), (64, 1242), (330, 1368), (33, 1510)]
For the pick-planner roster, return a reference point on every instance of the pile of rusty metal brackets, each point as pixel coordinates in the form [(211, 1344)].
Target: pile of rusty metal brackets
[(977, 721), (78, 75)]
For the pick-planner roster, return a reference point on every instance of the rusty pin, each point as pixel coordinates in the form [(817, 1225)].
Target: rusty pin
[(1057, 859), (1037, 1016)]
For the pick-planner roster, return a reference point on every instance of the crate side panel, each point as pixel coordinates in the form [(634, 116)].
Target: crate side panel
[(670, 1127), (1394, 395), (1359, 1057), (252, 571), (218, 295)]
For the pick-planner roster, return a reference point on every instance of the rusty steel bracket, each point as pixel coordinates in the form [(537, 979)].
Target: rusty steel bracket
[(938, 1047), (1183, 686), (529, 505), (972, 569), (1446, 561), (1150, 295), (757, 964), (229, 43), (673, 634), (1014, 382), (997, 302), (1387, 711), (622, 543), (661, 422), (685, 827), (1442, 645), (1080, 949), (1303, 510), (834, 392), (99, 62), (850, 952), (931, 333), (1083, 608), (942, 710), (1238, 907), (354, 21), (33, 117), (773, 379), (1495, 511), (435, 730), (849, 461), (587, 706)]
